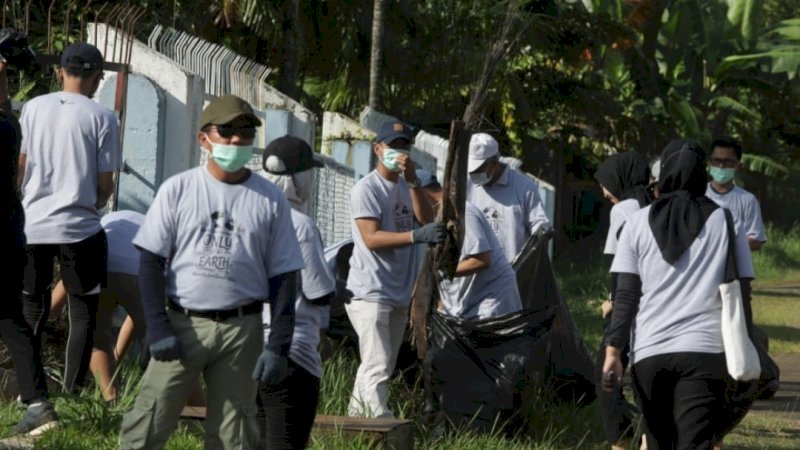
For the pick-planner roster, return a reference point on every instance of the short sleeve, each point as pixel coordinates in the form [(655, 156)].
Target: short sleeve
[(754, 226), (158, 231), (744, 257), (284, 251), (25, 127), (109, 154), (626, 260), (537, 217), (475, 239), (363, 203), (317, 279)]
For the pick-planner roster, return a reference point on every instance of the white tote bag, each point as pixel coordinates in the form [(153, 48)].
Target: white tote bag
[(741, 356)]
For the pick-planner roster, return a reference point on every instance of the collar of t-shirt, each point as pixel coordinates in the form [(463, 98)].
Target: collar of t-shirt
[(503, 180), (711, 186)]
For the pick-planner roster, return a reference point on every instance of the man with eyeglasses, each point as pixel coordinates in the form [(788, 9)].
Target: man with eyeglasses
[(384, 205), (724, 162), (216, 243)]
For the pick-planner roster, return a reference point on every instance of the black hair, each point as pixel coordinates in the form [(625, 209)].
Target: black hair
[(80, 73), (726, 142)]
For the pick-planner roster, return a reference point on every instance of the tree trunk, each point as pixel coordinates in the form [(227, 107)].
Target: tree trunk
[(376, 55), (287, 81)]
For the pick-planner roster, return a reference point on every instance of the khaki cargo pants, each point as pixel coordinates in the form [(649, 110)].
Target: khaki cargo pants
[(225, 353)]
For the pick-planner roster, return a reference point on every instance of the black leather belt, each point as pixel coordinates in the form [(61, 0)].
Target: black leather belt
[(218, 315)]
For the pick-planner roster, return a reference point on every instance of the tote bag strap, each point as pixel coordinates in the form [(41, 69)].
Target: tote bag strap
[(731, 268)]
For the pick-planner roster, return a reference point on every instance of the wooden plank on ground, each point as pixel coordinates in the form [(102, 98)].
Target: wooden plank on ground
[(388, 434)]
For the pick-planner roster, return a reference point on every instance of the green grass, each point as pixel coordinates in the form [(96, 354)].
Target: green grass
[(87, 424)]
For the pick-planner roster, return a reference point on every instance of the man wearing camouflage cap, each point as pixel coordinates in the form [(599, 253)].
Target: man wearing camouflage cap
[(216, 243)]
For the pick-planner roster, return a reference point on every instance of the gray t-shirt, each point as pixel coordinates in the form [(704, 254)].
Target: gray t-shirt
[(745, 209), (224, 241), (617, 218), (513, 208), (316, 280), (385, 275), (68, 140), (120, 227), (680, 308), (492, 292)]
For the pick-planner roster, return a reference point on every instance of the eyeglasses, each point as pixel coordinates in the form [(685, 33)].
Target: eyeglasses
[(228, 131), (727, 163)]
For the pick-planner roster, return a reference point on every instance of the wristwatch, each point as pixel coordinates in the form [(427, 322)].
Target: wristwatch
[(417, 183)]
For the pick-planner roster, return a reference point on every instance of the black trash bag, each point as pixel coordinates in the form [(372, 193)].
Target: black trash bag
[(479, 374), (770, 380), (339, 326), (16, 52), (570, 360)]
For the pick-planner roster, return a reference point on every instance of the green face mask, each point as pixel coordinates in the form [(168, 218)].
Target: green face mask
[(389, 159), (231, 158), (722, 175)]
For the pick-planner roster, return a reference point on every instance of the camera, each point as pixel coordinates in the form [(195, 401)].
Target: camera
[(15, 51)]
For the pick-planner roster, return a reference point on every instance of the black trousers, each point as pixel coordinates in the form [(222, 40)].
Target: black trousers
[(683, 399), (18, 337), (83, 268), (286, 411), (617, 414)]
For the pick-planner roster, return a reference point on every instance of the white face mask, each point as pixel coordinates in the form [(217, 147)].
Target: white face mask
[(298, 187), (479, 179)]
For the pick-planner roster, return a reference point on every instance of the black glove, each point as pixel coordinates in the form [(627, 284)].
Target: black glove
[(166, 349), (271, 368), (431, 233)]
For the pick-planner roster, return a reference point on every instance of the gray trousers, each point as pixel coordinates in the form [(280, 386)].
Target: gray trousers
[(225, 353)]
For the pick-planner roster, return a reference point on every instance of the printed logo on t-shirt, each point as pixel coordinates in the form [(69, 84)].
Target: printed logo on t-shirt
[(496, 220), (216, 247), (403, 218)]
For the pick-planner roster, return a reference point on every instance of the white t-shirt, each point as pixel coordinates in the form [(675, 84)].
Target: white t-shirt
[(492, 292), (617, 218), (68, 140), (223, 241), (513, 208), (385, 275), (745, 209), (316, 280), (121, 227), (680, 308)]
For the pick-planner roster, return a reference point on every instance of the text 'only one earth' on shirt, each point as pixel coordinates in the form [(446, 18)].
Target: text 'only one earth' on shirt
[(384, 275), (680, 308), (223, 241)]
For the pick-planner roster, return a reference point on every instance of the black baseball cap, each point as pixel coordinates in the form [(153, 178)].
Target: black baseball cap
[(82, 58), (294, 152), (224, 109), (392, 130)]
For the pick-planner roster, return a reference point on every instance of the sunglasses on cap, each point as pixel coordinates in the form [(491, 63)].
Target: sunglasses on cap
[(229, 131)]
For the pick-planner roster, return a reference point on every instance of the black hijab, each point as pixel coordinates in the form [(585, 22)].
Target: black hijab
[(626, 175), (682, 208)]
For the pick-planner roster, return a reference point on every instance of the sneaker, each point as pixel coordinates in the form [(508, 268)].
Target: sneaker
[(39, 418)]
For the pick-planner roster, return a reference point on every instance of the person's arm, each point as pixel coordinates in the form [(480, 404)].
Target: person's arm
[(755, 245), (474, 264), (282, 293), (152, 290), (626, 304), (21, 161), (375, 238), (105, 187), (423, 211), (537, 217)]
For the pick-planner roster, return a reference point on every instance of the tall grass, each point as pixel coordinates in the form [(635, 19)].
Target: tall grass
[(780, 255)]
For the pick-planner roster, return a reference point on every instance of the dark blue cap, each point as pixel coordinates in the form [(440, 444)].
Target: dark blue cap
[(390, 131), (82, 58)]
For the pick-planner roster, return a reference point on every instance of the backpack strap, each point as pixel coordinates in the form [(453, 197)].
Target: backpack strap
[(731, 268)]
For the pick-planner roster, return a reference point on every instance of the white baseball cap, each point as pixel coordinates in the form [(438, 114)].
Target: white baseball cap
[(482, 146)]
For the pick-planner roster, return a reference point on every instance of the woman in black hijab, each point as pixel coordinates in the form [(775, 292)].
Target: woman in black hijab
[(671, 258), (624, 178)]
